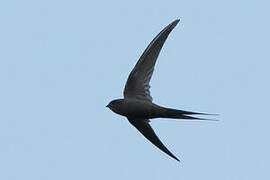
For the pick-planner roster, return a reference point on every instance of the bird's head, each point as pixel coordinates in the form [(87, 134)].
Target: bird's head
[(111, 104), (114, 105)]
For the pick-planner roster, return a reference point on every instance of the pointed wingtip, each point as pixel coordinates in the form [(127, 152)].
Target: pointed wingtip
[(177, 159), (174, 157), (174, 23)]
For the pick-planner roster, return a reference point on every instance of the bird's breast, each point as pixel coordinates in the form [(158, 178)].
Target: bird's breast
[(138, 109)]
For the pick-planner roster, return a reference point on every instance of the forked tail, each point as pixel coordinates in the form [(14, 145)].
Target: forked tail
[(179, 114)]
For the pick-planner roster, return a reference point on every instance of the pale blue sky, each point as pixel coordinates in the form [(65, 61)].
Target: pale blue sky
[(61, 62)]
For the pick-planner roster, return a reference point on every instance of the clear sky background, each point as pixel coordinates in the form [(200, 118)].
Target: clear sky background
[(61, 62)]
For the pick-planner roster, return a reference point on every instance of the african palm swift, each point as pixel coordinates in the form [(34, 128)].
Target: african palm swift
[(137, 104)]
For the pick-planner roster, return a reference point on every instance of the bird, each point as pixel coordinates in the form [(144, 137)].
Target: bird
[(137, 105)]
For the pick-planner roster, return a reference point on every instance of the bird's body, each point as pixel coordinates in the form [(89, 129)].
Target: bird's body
[(137, 104), (132, 108)]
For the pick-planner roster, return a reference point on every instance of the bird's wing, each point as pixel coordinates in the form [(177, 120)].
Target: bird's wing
[(144, 127), (137, 85)]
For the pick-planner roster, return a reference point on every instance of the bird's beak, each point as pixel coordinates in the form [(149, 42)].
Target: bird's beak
[(107, 105)]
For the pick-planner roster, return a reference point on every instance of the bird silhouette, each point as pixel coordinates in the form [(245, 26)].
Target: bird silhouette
[(137, 104)]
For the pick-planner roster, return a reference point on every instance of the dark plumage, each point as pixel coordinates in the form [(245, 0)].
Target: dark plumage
[(137, 104)]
